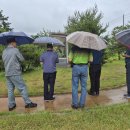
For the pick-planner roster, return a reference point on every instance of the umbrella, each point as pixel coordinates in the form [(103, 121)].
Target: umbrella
[(45, 40), (123, 37), (20, 37), (86, 40)]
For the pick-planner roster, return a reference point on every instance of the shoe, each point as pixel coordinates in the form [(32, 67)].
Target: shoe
[(46, 99), (31, 105), (74, 107), (53, 98), (127, 96), (97, 93), (92, 93), (49, 99), (12, 108)]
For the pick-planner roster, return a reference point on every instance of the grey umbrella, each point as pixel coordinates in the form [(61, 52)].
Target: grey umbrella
[(123, 37), (86, 40), (45, 40)]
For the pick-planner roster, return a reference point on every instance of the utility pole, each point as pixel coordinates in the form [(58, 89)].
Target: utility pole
[(123, 20)]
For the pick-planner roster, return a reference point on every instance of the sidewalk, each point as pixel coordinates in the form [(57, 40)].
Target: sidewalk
[(63, 102)]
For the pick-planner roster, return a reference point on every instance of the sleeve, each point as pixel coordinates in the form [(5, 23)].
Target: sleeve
[(19, 55), (41, 58), (57, 58), (70, 58)]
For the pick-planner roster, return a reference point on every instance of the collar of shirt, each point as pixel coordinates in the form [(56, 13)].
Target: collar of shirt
[(10, 46)]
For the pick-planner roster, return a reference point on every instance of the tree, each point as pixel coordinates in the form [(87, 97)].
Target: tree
[(41, 34), (117, 48), (89, 21), (5, 25)]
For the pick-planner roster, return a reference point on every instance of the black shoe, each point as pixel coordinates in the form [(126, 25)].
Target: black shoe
[(92, 93), (31, 105), (46, 99), (74, 107), (12, 108), (97, 93), (52, 98)]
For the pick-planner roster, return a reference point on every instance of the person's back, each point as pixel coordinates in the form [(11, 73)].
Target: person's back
[(79, 57), (95, 72), (49, 59), (12, 58)]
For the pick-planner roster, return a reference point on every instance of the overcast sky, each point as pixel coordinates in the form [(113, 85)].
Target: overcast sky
[(31, 16)]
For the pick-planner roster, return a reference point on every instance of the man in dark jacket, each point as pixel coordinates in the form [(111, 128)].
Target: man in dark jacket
[(95, 72)]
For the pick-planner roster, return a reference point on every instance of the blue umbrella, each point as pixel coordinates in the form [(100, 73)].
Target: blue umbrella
[(20, 37), (123, 37), (46, 40)]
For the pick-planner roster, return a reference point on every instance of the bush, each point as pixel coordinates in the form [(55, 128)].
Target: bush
[(31, 53)]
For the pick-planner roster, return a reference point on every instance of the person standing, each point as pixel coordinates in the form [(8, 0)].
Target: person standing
[(12, 59), (79, 59), (127, 61), (49, 60), (95, 72)]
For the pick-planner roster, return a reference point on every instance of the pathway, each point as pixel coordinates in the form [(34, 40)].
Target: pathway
[(63, 102)]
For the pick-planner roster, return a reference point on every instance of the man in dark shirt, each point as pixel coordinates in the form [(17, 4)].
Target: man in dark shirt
[(95, 72), (127, 61), (49, 60)]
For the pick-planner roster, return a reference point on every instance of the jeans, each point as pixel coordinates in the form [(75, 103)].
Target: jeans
[(79, 73), (128, 77), (16, 81), (49, 82)]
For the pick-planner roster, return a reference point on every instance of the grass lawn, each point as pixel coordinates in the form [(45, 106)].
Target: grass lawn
[(113, 75), (116, 117)]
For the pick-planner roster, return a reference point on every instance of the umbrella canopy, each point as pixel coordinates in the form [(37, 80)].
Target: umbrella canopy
[(45, 40), (20, 37), (86, 40), (123, 37)]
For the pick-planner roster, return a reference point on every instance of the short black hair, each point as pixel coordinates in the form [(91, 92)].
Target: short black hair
[(49, 46), (11, 39)]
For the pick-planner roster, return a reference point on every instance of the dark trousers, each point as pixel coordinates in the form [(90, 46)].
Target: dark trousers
[(49, 82), (94, 73), (128, 77)]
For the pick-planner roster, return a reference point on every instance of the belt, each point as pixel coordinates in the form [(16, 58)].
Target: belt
[(80, 64)]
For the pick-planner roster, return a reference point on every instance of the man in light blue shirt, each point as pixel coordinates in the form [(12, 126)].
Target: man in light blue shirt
[(12, 59)]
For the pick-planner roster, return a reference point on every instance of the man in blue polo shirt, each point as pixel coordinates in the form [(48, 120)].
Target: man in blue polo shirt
[(127, 61), (95, 72), (49, 60)]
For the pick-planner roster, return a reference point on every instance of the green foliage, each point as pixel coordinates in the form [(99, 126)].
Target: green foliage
[(113, 45), (113, 76), (5, 25), (31, 54), (89, 21), (115, 117), (41, 34)]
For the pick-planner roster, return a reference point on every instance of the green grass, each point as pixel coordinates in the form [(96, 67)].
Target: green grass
[(116, 117), (113, 76)]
